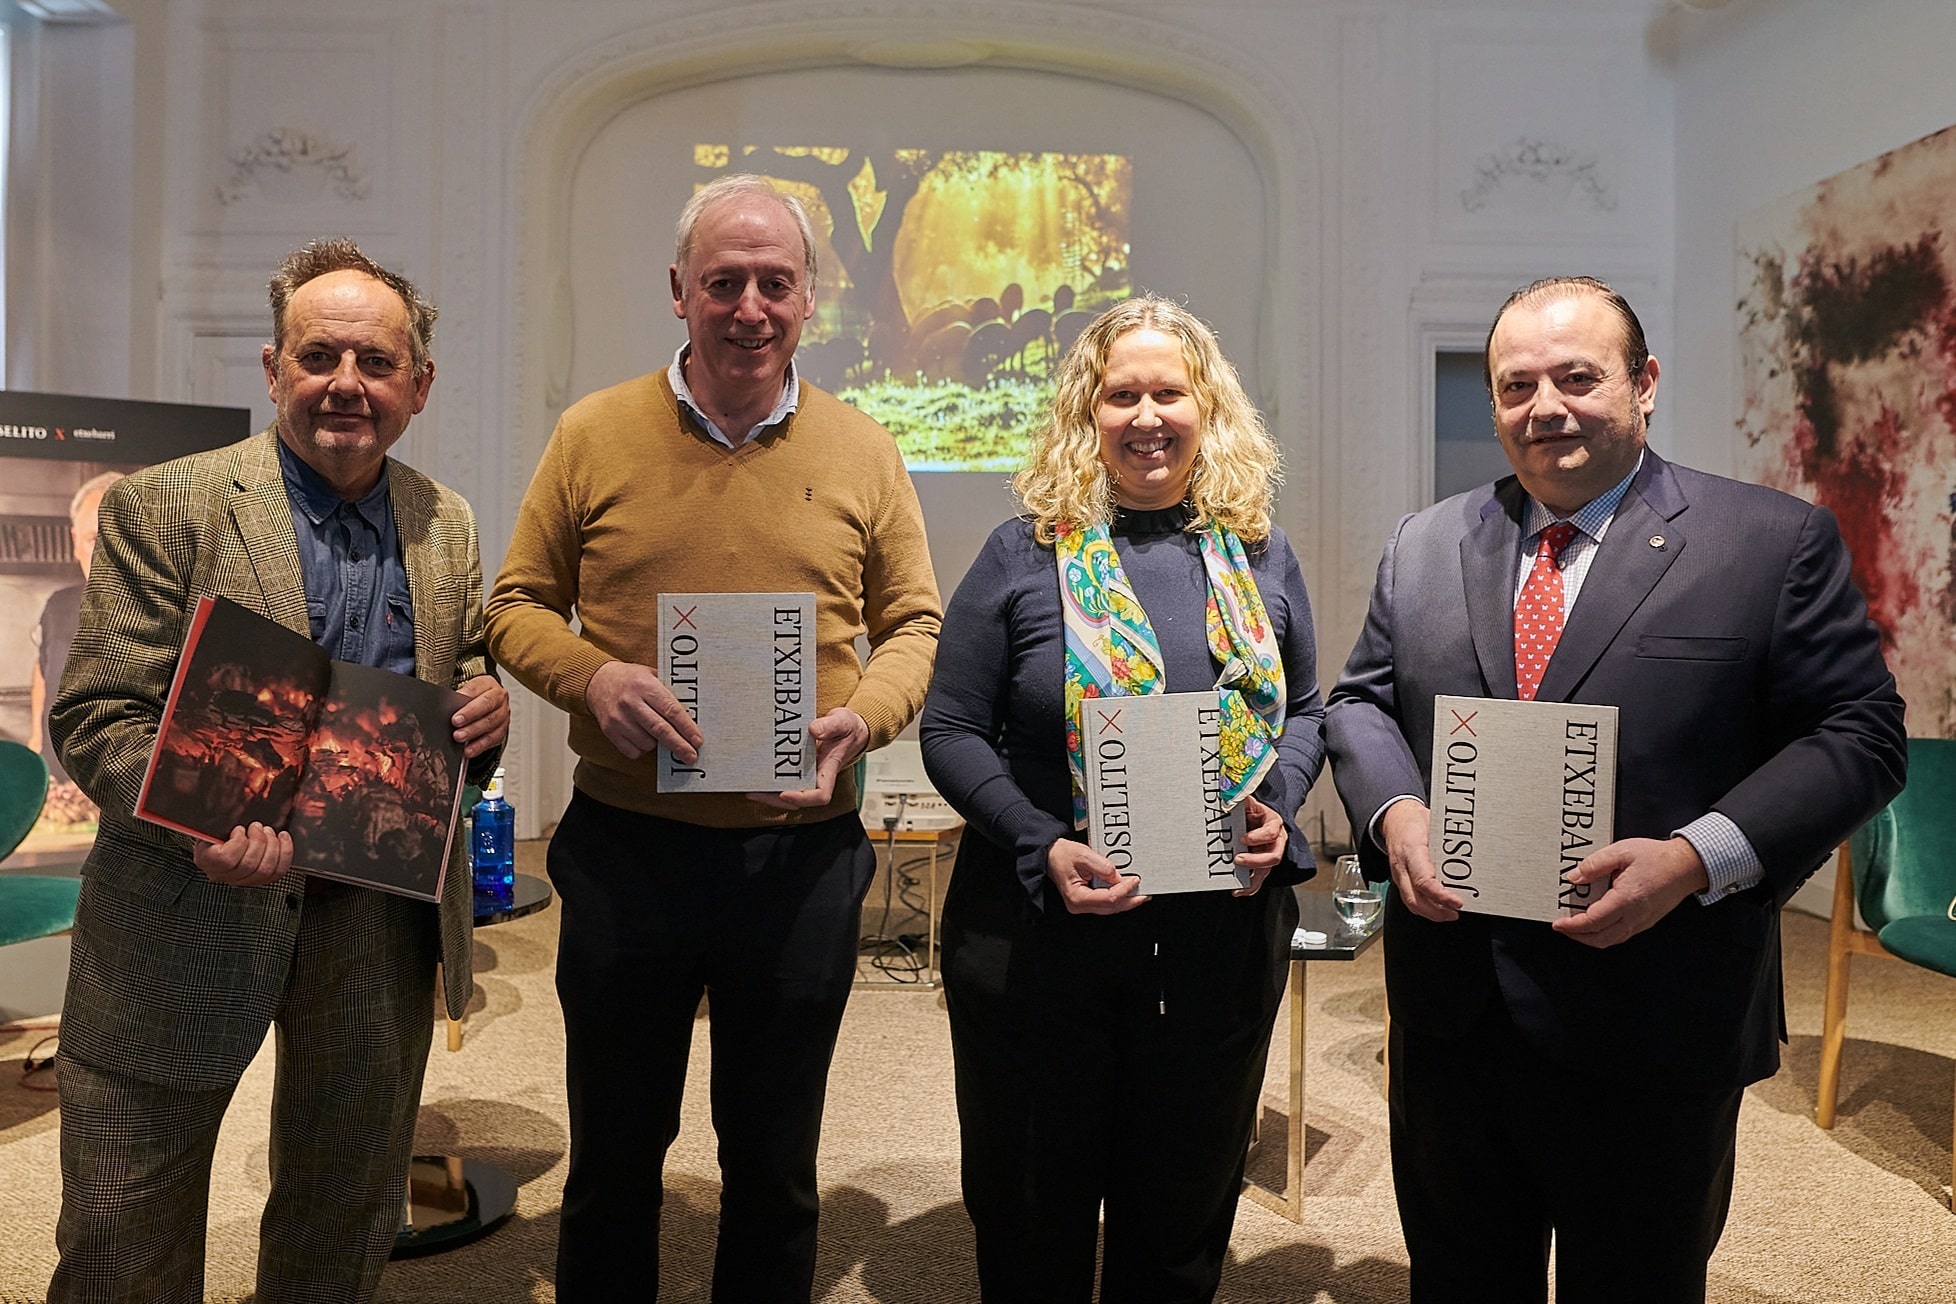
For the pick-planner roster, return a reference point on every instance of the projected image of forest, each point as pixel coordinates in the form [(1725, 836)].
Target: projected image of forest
[(951, 283)]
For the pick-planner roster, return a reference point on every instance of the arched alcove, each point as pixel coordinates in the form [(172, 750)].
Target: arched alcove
[(571, 110)]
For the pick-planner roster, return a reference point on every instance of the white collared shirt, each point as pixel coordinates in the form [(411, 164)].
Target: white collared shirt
[(783, 409)]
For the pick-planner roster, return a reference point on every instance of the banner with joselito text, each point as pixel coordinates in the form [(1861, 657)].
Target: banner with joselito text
[(58, 454)]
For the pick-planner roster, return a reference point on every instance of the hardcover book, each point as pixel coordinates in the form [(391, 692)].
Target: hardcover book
[(1523, 792), (1154, 784), (359, 765), (744, 665)]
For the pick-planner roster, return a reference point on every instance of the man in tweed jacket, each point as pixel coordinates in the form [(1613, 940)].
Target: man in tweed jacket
[(186, 952)]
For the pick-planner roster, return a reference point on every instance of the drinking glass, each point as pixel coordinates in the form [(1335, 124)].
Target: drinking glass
[(1358, 902)]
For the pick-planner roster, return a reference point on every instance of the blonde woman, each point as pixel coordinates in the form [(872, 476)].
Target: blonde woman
[(1110, 1045)]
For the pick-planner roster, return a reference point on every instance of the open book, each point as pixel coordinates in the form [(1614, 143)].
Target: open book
[(360, 765)]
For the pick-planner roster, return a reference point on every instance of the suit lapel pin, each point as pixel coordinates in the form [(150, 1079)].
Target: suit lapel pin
[(1657, 542)]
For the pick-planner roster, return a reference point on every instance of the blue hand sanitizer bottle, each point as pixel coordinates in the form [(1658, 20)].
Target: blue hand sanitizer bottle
[(492, 842)]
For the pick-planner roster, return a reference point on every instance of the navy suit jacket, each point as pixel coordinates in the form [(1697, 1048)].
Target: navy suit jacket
[(1722, 621)]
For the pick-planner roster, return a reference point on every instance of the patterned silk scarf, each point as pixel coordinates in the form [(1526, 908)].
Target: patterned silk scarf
[(1111, 651)]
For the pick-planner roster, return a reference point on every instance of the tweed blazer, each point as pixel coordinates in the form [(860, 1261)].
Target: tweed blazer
[(174, 978)]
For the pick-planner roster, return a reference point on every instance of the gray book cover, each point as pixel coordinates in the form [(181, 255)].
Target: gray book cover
[(744, 665), (1523, 792), (1154, 776)]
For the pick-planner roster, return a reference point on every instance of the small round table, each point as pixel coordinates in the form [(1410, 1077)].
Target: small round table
[(451, 1200), (529, 895)]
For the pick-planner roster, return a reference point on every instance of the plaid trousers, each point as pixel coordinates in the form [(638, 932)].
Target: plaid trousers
[(353, 1030)]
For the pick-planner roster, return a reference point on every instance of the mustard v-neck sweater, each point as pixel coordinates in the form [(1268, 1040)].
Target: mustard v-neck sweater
[(633, 499)]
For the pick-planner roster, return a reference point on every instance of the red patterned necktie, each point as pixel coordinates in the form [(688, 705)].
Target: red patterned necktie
[(1538, 616)]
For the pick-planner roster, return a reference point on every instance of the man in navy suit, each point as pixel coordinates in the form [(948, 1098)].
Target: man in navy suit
[(1584, 1077)]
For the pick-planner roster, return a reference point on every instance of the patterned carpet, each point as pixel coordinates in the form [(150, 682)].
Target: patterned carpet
[(1860, 1214)]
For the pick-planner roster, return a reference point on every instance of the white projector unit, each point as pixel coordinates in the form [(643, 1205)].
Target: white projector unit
[(896, 788)]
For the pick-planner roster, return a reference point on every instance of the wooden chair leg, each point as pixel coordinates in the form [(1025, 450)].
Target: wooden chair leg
[(454, 1025), (1833, 1028)]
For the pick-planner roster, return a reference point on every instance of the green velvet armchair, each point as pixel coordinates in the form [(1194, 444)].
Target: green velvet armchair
[(1900, 868), (31, 905)]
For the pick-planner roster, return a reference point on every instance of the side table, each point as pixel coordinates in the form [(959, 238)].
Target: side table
[(451, 1200), (1316, 913), (887, 841)]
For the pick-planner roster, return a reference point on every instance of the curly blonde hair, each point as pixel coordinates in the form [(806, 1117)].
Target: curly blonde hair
[(1235, 477)]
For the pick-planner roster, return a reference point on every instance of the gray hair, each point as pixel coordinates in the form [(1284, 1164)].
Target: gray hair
[(317, 258), (96, 484), (741, 185)]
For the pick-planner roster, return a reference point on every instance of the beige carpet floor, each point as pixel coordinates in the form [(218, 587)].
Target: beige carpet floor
[(1858, 1214)]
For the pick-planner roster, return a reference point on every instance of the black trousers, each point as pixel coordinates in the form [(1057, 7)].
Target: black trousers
[(1496, 1145), (1107, 1063), (655, 912)]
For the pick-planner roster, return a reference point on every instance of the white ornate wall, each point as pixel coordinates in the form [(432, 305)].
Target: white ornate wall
[(1418, 160)]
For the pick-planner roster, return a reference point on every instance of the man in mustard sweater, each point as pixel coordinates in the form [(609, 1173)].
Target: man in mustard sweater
[(723, 472)]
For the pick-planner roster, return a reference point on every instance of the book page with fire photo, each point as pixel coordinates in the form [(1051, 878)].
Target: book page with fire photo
[(358, 764)]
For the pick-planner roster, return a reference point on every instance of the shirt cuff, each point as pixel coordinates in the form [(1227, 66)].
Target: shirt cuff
[(1378, 819), (1730, 862)]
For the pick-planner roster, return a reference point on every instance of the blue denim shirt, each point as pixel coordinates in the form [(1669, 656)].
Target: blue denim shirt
[(350, 557)]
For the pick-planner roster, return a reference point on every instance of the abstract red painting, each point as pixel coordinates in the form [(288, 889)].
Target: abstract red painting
[(1847, 389)]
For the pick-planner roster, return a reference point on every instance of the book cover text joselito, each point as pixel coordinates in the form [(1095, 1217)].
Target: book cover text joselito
[(1522, 793), (1154, 782), (744, 665)]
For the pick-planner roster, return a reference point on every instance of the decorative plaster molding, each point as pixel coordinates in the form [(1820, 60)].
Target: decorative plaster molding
[(288, 165), (1359, 463), (1541, 162), (582, 89), (922, 54)]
